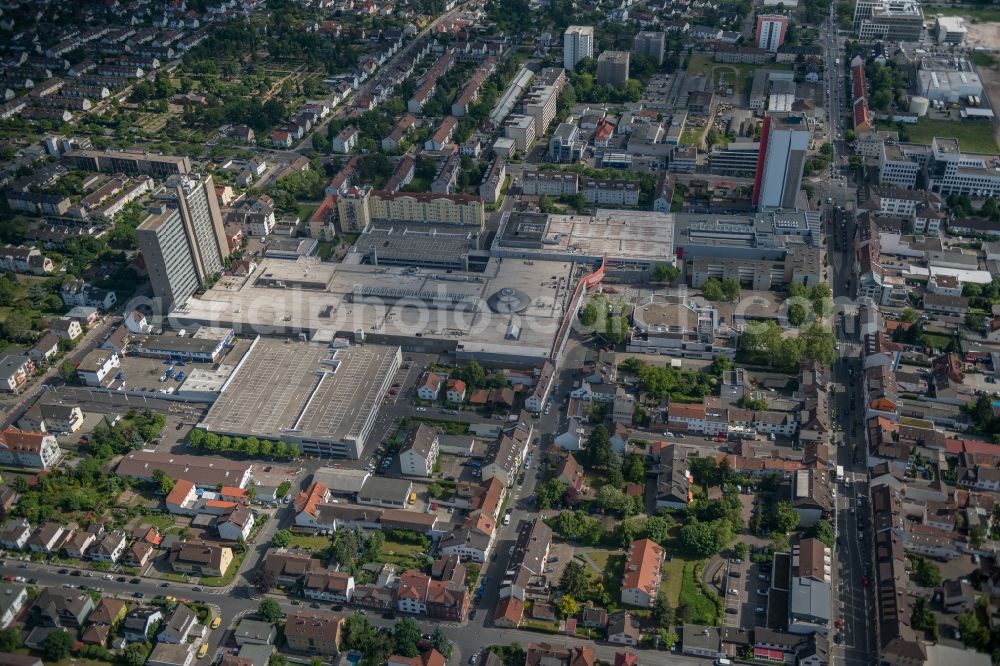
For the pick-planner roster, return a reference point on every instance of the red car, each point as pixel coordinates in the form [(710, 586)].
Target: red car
[(839, 623), (864, 581)]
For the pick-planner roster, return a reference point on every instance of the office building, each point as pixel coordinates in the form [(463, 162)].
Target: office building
[(521, 130), (771, 32), (949, 171), (578, 43), (950, 29), (183, 240), (651, 44), (862, 11), (892, 21), (784, 141), (612, 68), (565, 145)]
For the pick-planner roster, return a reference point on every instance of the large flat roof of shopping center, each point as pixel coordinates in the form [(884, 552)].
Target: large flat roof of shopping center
[(391, 303), (619, 234)]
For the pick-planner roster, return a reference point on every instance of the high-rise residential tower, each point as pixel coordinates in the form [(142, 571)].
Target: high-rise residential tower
[(578, 43), (183, 240)]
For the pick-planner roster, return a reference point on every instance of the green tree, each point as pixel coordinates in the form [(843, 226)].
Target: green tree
[(598, 451), (819, 344), (909, 315), (664, 273), (135, 654), (281, 538), (741, 550), (633, 468), (550, 494), (406, 635), (441, 643), (575, 580), (67, 371), (10, 639), (822, 530), (57, 646), (797, 313), (667, 638), (270, 611), (712, 290), (164, 483), (658, 529), (663, 612), (567, 606), (785, 517)]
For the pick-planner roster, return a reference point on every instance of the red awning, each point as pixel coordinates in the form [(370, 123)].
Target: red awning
[(768, 653)]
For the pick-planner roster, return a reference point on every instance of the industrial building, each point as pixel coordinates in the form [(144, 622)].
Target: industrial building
[(323, 398), (948, 80)]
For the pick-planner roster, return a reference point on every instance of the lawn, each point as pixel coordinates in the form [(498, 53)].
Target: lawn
[(325, 249), (613, 573), (702, 608), (974, 137), (403, 555), (673, 574), (305, 210), (600, 558), (222, 581), (309, 542), (158, 520), (974, 14)]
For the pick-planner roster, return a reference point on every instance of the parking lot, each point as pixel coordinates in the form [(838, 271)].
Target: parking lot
[(747, 594)]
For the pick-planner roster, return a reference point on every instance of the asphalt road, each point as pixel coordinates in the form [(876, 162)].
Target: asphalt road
[(853, 603)]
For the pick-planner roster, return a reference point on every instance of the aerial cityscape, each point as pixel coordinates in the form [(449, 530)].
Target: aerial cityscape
[(499, 332)]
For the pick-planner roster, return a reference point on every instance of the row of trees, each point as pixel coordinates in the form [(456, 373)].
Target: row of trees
[(248, 446)]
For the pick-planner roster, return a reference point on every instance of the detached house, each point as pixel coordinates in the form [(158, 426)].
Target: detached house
[(47, 539), (431, 388), (456, 390), (139, 621), (179, 626), (15, 534), (335, 586), (110, 548), (236, 524)]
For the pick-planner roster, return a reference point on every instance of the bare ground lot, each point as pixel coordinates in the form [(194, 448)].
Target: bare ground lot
[(987, 36)]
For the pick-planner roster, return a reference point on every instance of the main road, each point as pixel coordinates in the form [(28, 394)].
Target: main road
[(853, 600)]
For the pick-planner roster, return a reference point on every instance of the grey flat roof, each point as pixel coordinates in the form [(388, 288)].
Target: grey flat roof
[(810, 598), (380, 487), (341, 480), (302, 389), (252, 308)]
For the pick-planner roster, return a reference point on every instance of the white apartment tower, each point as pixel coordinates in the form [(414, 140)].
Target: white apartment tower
[(578, 43)]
